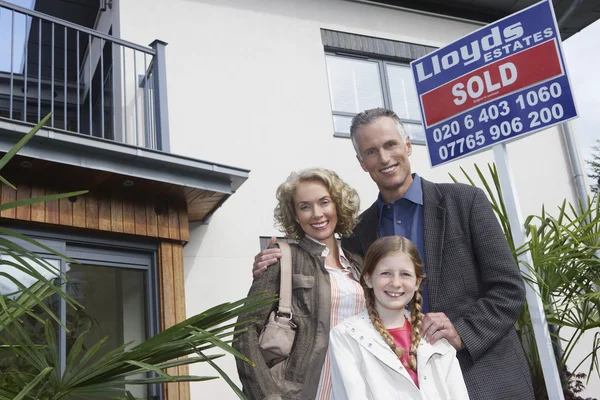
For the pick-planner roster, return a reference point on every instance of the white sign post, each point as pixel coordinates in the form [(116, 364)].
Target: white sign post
[(536, 307), (495, 85)]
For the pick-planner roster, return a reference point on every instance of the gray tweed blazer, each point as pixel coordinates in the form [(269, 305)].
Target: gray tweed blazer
[(473, 279)]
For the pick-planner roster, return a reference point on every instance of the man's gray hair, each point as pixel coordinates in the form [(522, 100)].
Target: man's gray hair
[(367, 117)]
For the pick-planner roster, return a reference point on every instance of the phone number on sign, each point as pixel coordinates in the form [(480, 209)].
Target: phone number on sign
[(500, 130)]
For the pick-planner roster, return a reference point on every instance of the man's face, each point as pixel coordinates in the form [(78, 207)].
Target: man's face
[(384, 155)]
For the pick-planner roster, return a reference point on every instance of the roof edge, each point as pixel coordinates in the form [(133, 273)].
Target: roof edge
[(106, 155)]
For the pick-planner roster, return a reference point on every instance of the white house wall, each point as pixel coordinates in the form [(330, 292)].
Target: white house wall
[(247, 86)]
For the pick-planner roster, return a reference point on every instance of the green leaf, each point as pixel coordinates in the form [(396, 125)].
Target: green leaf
[(32, 384), (188, 360), (149, 367), (74, 354), (565, 270), (7, 183), (219, 343), (226, 378), (15, 149), (15, 234)]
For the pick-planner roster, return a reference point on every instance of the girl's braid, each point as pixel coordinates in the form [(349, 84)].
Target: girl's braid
[(416, 316)]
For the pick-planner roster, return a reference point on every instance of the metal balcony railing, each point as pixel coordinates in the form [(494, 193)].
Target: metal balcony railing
[(94, 84)]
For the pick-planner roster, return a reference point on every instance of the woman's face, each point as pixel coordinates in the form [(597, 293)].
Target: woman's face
[(315, 210), (394, 282)]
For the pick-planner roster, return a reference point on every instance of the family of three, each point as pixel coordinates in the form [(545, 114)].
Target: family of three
[(430, 312)]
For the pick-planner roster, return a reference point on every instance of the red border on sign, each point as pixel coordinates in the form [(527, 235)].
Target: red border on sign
[(533, 65)]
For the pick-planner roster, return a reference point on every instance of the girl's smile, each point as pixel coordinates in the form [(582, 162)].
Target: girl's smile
[(394, 284)]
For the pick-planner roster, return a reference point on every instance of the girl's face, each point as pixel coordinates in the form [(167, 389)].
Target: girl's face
[(315, 210), (394, 282)]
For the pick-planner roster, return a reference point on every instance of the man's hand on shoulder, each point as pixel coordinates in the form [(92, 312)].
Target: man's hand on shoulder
[(437, 326), (266, 258)]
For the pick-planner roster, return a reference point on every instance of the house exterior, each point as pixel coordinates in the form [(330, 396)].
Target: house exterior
[(108, 133), (258, 88)]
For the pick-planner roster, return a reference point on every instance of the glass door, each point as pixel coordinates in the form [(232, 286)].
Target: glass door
[(118, 293), (117, 287), (114, 307)]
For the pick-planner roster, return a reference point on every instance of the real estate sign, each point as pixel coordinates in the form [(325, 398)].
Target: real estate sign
[(501, 82)]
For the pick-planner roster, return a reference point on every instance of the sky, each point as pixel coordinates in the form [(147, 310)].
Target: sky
[(20, 32), (583, 66)]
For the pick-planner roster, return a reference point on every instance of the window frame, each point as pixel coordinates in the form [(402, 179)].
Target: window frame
[(133, 254), (385, 84)]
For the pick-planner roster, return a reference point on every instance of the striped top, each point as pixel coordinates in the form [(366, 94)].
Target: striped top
[(347, 299)]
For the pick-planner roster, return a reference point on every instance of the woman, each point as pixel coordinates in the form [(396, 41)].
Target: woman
[(314, 206), (379, 353)]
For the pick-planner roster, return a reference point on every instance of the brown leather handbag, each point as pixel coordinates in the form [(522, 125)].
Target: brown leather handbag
[(277, 337)]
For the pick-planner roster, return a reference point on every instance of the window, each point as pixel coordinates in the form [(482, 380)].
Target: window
[(14, 33), (128, 314), (360, 83), (366, 72), (117, 287)]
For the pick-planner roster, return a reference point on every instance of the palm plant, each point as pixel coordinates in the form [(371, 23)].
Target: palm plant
[(29, 362), (565, 270), (107, 376)]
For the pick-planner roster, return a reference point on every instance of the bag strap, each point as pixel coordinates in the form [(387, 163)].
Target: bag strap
[(285, 285)]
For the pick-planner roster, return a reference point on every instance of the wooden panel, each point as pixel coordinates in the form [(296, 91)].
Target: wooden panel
[(52, 208), (116, 214), (184, 224), (167, 299), (203, 205), (204, 195), (128, 216), (173, 222), (91, 211), (79, 210), (167, 285), (104, 213), (70, 178), (8, 195), (140, 218), (179, 291), (184, 387), (65, 216), (178, 282), (45, 176), (193, 195), (163, 221), (113, 214), (151, 220), (98, 177), (23, 193), (185, 191), (38, 210)]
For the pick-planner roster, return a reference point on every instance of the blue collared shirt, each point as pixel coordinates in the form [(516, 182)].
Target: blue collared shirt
[(404, 217)]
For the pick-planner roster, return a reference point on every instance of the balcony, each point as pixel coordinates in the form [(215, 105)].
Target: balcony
[(109, 129), (93, 83)]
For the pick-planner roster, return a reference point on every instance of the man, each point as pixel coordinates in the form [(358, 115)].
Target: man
[(474, 291)]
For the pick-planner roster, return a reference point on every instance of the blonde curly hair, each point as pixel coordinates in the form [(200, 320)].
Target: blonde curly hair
[(346, 201)]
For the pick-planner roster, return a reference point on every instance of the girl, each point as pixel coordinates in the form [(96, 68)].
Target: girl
[(379, 354)]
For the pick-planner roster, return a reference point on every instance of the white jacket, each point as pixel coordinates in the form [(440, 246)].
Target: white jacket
[(364, 367)]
